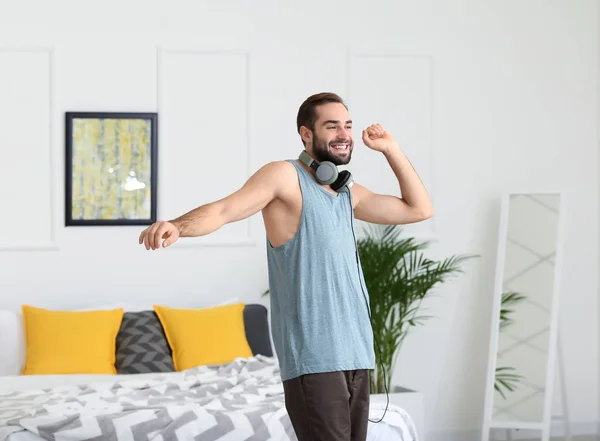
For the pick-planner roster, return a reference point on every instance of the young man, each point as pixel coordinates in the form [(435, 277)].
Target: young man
[(319, 305)]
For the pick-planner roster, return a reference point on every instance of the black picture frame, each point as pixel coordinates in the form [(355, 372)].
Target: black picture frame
[(118, 152)]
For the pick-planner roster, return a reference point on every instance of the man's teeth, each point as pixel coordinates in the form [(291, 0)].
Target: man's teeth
[(339, 146)]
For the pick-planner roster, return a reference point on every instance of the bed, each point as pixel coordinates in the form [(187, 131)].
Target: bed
[(238, 400)]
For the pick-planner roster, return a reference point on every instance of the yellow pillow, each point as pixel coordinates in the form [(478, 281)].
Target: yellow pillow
[(70, 342), (204, 336)]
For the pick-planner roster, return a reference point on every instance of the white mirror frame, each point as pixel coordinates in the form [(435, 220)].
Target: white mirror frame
[(554, 355)]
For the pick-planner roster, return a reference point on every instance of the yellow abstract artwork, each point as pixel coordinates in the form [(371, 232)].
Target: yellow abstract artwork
[(112, 164)]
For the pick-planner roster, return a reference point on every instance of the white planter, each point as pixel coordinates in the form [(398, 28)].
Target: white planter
[(409, 400)]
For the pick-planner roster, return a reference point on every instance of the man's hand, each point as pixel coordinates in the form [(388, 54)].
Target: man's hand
[(375, 137), (151, 237)]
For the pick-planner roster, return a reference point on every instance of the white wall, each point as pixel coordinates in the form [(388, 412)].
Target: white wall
[(485, 97)]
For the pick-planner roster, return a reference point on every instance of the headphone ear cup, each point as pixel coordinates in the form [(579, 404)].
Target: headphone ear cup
[(326, 173), (342, 180)]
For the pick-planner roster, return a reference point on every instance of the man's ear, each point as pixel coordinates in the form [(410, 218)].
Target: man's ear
[(305, 134)]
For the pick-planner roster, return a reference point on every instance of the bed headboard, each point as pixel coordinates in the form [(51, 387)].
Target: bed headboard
[(256, 324)]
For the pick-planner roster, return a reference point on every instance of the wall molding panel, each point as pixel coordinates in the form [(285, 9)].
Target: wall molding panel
[(27, 108), (213, 124), (392, 86)]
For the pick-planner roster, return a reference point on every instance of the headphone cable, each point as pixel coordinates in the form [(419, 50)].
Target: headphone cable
[(369, 313)]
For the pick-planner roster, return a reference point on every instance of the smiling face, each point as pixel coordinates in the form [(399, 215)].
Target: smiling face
[(330, 138)]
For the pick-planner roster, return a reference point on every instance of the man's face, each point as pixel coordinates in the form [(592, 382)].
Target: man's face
[(332, 138)]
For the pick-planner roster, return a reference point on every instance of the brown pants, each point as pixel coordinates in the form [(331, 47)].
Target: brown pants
[(332, 406)]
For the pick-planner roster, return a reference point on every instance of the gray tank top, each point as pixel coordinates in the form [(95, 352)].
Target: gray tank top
[(319, 312)]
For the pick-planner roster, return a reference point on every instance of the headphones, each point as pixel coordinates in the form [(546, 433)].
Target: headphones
[(327, 173)]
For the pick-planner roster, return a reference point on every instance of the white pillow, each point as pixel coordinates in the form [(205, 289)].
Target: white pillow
[(12, 343)]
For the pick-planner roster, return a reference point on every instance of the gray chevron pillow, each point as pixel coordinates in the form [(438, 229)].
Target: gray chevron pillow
[(142, 345)]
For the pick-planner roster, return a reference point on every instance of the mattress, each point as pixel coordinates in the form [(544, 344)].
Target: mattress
[(13, 383)]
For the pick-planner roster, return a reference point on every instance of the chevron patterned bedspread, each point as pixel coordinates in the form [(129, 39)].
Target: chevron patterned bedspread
[(242, 400)]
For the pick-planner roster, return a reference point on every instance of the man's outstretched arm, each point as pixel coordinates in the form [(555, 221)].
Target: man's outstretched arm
[(258, 191), (414, 205)]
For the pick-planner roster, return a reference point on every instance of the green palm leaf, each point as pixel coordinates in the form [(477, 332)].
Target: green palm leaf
[(509, 298), (506, 380)]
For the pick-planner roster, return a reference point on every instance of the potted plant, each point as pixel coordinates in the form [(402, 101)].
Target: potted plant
[(398, 278)]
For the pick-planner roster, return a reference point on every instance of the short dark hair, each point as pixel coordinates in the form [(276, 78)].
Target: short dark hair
[(307, 113)]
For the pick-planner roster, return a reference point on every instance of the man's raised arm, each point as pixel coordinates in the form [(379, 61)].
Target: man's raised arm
[(414, 205)]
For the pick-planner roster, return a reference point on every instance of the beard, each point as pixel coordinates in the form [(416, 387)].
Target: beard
[(323, 151)]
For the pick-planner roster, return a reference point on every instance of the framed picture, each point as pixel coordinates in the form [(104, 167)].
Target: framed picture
[(110, 168)]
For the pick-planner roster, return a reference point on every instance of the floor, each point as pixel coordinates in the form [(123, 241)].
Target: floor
[(574, 438), (581, 438)]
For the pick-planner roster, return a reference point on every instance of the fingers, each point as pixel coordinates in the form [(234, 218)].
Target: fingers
[(149, 236), (144, 237), (169, 239), (365, 136), (170, 236), (375, 131), (152, 236), (158, 234)]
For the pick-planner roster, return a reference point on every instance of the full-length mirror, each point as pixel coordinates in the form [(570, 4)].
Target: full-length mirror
[(523, 345)]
